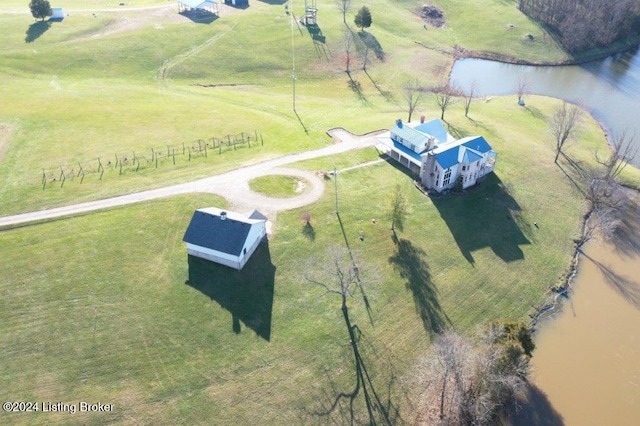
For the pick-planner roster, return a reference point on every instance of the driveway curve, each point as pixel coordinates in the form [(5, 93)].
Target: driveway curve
[(232, 185)]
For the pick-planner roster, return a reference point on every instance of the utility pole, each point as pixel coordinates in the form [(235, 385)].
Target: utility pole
[(335, 180), (293, 59)]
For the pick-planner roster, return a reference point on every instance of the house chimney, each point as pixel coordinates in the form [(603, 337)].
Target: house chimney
[(399, 122), (422, 118), (223, 215)]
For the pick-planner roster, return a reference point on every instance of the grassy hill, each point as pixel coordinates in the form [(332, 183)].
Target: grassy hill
[(106, 308)]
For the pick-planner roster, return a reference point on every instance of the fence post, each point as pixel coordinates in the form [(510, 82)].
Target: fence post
[(44, 179), (174, 157), (189, 153), (101, 169)]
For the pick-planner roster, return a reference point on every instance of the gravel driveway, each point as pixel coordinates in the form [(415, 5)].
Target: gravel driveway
[(233, 185)]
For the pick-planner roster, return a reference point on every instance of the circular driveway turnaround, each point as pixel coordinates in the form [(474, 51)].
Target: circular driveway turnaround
[(243, 198), (233, 185)]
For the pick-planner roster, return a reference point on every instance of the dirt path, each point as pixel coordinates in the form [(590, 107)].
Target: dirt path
[(233, 185)]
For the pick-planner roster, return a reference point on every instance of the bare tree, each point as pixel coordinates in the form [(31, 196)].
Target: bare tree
[(585, 24), (623, 152), (412, 94), (522, 88), (444, 96), (344, 6), (563, 123), (468, 380), (348, 47), (607, 202), (338, 274), (468, 97), (398, 209)]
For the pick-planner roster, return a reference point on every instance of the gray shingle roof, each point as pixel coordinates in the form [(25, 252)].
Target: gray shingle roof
[(207, 229)]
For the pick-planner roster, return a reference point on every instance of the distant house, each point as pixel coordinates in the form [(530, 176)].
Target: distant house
[(209, 6), (224, 237), (237, 3), (440, 161), (57, 14)]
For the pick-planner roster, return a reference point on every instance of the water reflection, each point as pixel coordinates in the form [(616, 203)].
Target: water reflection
[(587, 360), (608, 88)]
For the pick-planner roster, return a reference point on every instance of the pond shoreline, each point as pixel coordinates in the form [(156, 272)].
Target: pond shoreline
[(462, 53)]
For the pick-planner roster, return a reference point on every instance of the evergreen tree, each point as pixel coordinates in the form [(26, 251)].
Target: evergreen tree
[(363, 18), (40, 9)]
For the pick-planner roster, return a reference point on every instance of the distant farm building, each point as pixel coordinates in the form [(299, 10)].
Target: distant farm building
[(57, 14), (440, 161), (225, 237), (237, 3), (197, 6)]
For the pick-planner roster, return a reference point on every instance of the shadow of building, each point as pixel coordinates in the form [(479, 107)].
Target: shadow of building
[(486, 216), (246, 294)]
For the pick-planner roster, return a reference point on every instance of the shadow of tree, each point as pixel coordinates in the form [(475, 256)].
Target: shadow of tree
[(535, 112), (626, 287), (308, 231), (385, 93), (626, 237), (357, 88), (372, 43), (457, 132), (409, 261), (533, 408), (346, 407), (35, 30), (246, 294), (486, 216)]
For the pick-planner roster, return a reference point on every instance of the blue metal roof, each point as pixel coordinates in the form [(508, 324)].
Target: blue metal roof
[(407, 151), (478, 144), (210, 231), (448, 158), (468, 156), (409, 134), (434, 128)]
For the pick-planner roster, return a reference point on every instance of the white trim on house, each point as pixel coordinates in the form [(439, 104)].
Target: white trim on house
[(441, 163)]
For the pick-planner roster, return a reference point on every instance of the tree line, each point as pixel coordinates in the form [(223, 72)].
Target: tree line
[(586, 24)]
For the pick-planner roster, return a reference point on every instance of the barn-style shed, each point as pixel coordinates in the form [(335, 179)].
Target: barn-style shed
[(224, 237)]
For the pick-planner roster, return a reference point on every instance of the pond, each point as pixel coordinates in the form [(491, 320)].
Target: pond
[(586, 368), (608, 88)]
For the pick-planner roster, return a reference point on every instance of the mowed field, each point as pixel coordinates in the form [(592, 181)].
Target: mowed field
[(106, 307)]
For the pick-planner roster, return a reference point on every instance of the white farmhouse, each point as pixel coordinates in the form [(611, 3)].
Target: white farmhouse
[(436, 157), (224, 237)]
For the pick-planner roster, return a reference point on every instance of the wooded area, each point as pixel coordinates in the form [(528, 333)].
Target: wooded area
[(585, 24)]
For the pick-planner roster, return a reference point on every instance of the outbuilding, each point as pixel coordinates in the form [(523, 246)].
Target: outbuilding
[(57, 14), (209, 6), (225, 237)]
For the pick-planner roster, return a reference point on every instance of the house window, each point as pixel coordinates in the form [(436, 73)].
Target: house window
[(464, 168), (447, 177)]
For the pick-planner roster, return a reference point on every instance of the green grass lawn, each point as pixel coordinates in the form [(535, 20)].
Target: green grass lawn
[(278, 186), (108, 308)]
